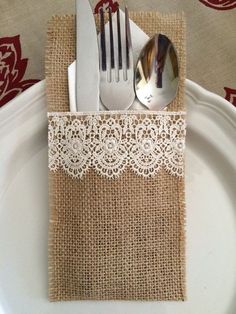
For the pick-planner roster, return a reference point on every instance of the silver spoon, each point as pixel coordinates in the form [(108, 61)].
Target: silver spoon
[(157, 73)]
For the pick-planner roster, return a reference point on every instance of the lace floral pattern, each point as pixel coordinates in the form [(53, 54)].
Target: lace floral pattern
[(111, 142)]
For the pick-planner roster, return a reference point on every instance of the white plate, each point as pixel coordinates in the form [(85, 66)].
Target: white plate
[(211, 215)]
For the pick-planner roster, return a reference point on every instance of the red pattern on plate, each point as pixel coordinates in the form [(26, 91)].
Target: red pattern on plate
[(230, 95), (12, 69), (106, 4), (220, 4)]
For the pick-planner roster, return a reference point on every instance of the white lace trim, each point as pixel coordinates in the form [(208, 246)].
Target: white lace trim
[(111, 142)]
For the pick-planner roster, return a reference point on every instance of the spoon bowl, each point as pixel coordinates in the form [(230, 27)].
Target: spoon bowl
[(157, 73)]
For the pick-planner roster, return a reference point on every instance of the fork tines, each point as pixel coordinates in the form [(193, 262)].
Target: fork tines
[(115, 45)]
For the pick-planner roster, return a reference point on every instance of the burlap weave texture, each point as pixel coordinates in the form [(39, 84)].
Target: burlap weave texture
[(119, 239)]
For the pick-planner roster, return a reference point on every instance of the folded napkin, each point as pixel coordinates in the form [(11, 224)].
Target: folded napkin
[(116, 185)]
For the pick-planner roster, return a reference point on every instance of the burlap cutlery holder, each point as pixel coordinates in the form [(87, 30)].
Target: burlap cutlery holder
[(120, 235)]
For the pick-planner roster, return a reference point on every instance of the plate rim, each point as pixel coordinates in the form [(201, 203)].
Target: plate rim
[(211, 100), (11, 111), (193, 90)]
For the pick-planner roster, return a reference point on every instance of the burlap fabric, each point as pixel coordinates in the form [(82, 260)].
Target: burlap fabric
[(120, 239)]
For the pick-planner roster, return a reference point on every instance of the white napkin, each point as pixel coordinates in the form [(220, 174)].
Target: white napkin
[(139, 39)]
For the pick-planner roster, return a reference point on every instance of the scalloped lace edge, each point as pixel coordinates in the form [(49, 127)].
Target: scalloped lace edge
[(111, 142)]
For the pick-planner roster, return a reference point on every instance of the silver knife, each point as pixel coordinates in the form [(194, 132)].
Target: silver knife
[(87, 59)]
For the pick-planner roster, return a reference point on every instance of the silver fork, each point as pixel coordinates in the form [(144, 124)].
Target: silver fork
[(116, 62)]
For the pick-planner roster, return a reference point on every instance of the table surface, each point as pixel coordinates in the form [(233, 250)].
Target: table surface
[(211, 40)]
